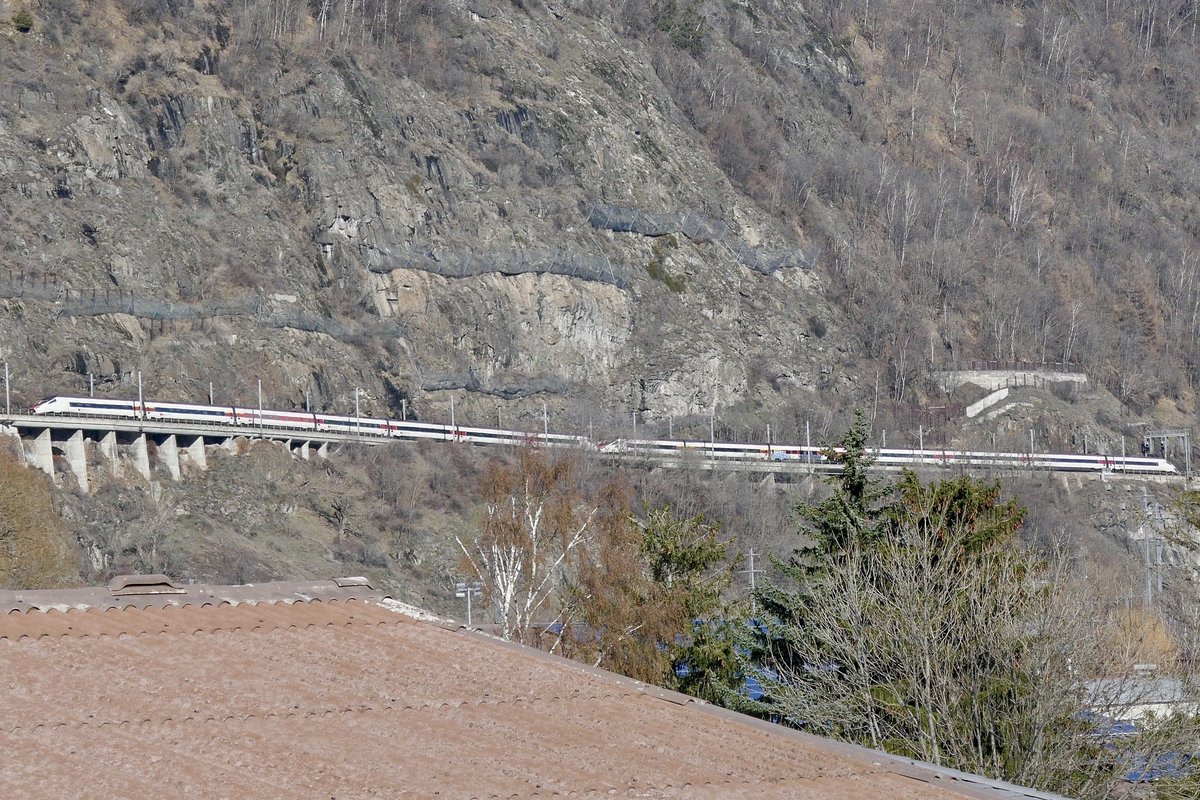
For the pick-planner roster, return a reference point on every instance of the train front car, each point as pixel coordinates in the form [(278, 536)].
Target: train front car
[(51, 405), (1143, 466), (86, 406)]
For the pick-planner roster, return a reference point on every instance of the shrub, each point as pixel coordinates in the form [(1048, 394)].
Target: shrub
[(685, 26), (23, 20), (657, 266)]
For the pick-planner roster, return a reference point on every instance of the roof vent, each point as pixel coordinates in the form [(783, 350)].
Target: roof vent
[(123, 585), (357, 580)]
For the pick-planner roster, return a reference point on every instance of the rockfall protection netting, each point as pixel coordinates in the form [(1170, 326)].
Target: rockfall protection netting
[(698, 228), (458, 264)]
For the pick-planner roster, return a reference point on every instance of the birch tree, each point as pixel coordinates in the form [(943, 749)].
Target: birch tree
[(536, 515)]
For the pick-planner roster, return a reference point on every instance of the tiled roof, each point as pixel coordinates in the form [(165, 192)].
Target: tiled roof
[(308, 693)]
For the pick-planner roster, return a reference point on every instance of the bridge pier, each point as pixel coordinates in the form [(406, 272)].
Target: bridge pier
[(108, 452), (323, 450), (141, 456), (195, 453), (77, 459), (41, 455), (300, 449), (168, 453)]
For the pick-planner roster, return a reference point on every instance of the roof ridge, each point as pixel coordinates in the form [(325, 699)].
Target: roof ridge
[(158, 591), (192, 618)]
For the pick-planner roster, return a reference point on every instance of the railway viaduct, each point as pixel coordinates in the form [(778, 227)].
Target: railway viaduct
[(62, 444), (121, 445)]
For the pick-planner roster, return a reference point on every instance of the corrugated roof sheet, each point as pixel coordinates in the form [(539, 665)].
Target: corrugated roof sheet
[(298, 690)]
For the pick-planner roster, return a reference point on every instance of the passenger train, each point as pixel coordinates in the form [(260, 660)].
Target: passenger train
[(889, 457), (295, 420), (649, 448)]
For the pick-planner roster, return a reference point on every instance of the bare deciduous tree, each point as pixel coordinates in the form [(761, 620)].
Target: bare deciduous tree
[(536, 515)]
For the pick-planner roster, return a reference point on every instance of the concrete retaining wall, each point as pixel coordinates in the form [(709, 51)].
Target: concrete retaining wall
[(993, 379)]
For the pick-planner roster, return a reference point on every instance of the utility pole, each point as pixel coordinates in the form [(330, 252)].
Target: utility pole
[(7, 396), (712, 432), (453, 427), (141, 406), (91, 385), (357, 424), (260, 419), (468, 590), (1146, 545), (210, 394), (545, 420), (1158, 548), (752, 572)]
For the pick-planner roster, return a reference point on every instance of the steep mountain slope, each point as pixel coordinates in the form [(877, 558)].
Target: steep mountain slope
[(658, 207), (198, 200)]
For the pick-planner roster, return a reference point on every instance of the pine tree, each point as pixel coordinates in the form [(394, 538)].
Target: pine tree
[(911, 619)]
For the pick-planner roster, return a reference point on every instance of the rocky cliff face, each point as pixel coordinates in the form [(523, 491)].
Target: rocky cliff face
[(650, 207), (199, 206)]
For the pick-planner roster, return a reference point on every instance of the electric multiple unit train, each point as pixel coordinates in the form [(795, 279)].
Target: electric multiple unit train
[(649, 448), (892, 457), (294, 420)]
